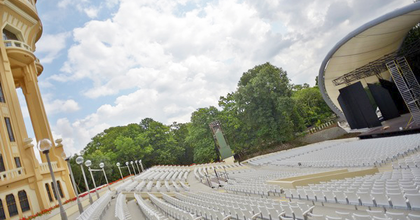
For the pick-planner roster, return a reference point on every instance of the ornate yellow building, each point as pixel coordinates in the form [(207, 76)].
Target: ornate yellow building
[(25, 185)]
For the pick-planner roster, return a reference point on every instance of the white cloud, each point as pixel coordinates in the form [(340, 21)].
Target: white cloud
[(63, 3), (60, 106), (91, 12), (162, 62), (50, 46)]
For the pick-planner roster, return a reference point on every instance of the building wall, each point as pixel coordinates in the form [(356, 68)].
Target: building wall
[(19, 69)]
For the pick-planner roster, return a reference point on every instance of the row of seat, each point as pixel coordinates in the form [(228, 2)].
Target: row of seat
[(147, 210), (360, 153), (209, 171), (389, 200), (171, 210), (246, 206), (285, 154), (255, 181), (379, 190), (121, 209), (161, 186), (412, 161), (196, 210), (123, 185), (164, 174), (96, 210), (369, 215)]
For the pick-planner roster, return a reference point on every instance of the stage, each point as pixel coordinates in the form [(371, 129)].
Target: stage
[(393, 127)]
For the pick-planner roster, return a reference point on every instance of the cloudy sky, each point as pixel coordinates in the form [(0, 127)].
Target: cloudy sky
[(115, 62)]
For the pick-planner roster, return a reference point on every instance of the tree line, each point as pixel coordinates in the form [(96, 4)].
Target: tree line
[(265, 110)]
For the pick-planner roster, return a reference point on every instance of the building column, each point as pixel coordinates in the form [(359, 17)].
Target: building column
[(41, 125), (37, 113)]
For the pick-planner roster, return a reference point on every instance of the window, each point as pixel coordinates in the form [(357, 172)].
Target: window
[(53, 189), (17, 161), (23, 199), (1, 94), (59, 189), (2, 168), (7, 35), (47, 187), (11, 205), (9, 129), (2, 215)]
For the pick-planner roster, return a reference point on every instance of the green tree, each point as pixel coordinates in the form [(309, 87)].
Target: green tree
[(238, 135), (311, 106), (180, 134), (264, 102), (200, 137)]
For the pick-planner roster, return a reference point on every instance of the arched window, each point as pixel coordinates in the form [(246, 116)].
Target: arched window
[(11, 205), (2, 215), (59, 189), (47, 187), (23, 199)]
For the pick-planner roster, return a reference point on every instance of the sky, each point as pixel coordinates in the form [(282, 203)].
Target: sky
[(114, 62)]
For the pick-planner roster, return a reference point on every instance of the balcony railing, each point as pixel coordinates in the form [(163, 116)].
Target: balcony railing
[(44, 167), (10, 174), (18, 44)]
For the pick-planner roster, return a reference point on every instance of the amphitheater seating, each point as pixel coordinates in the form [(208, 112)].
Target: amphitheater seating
[(131, 186), (171, 210), (361, 153), (123, 186), (254, 181), (96, 210), (392, 189), (148, 210), (241, 192), (121, 209)]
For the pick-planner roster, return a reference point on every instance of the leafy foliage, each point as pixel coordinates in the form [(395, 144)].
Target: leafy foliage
[(265, 110)]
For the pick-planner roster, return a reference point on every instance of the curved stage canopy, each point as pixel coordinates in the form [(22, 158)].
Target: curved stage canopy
[(368, 43)]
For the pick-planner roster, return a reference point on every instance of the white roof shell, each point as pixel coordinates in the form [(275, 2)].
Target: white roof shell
[(367, 43)]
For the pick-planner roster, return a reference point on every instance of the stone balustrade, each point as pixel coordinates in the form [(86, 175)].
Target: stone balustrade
[(10, 174), (44, 167), (18, 44)]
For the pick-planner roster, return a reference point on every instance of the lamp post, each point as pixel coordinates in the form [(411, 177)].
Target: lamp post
[(141, 165), (137, 164), (79, 160), (126, 163), (119, 168), (88, 163), (134, 170), (102, 165), (79, 204), (44, 146)]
